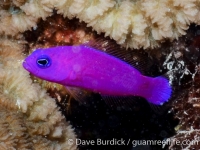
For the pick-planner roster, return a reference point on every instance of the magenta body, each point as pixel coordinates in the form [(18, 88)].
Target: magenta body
[(91, 69), (99, 72)]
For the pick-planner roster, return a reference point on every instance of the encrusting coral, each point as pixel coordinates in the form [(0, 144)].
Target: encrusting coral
[(30, 119), (134, 24), (182, 58)]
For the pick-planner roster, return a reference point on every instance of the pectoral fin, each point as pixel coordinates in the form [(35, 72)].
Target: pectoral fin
[(78, 93)]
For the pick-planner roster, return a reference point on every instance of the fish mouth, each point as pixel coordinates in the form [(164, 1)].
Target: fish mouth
[(25, 65), (30, 68)]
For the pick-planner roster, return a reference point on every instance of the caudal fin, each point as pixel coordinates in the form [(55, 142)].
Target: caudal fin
[(160, 90)]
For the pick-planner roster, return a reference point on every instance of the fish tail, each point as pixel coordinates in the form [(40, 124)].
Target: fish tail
[(160, 91)]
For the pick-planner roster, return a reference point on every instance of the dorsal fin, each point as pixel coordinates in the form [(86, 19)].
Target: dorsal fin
[(136, 58)]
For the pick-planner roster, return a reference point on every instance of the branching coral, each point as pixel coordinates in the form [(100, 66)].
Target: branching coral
[(135, 24), (29, 117)]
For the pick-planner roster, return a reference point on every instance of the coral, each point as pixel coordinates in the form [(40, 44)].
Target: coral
[(56, 30), (30, 118), (186, 107), (134, 24), (19, 16)]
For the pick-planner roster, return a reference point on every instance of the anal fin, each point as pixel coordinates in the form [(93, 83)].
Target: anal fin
[(159, 109), (123, 103), (132, 103)]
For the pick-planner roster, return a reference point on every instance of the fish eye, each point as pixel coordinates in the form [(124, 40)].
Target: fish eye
[(43, 61)]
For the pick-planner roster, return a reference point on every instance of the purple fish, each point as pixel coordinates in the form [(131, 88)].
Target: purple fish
[(87, 68)]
